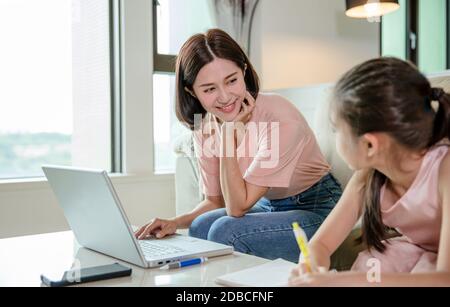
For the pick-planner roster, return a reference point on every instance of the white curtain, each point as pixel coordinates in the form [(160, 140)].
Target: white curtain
[(235, 17)]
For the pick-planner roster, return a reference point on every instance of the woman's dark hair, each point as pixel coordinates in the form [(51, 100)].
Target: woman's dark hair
[(390, 95), (198, 51)]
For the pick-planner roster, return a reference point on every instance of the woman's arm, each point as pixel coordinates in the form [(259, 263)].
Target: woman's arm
[(208, 204), (163, 227), (238, 194), (340, 222)]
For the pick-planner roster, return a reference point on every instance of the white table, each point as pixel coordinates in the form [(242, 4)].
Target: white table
[(24, 259)]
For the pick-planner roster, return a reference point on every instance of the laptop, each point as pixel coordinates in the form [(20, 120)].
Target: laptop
[(98, 221)]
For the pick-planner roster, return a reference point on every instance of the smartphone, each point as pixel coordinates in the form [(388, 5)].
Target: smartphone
[(72, 277)]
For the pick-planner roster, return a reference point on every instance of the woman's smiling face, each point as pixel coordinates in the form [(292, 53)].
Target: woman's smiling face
[(220, 88)]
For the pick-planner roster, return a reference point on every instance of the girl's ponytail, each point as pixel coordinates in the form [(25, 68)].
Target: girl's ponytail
[(372, 222), (441, 128)]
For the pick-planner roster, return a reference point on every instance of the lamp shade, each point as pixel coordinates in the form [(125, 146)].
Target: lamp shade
[(370, 8)]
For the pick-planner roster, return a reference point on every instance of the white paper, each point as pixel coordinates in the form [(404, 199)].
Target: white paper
[(271, 274)]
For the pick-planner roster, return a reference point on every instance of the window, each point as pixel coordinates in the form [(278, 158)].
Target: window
[(393, 29), (418, 32), (55, 102), (174, 21), (432, 34)]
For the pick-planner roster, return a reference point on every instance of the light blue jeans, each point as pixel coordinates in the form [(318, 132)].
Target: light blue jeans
[(266, 229)]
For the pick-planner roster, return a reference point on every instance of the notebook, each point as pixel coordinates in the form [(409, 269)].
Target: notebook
[(271, 274)]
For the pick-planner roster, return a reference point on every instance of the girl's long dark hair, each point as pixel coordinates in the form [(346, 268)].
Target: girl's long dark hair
[(390, 95)]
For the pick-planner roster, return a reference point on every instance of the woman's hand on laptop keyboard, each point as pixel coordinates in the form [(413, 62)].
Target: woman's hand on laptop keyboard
[(158, 228)]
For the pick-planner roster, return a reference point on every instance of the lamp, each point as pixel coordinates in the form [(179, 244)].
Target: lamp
[(370, 8)]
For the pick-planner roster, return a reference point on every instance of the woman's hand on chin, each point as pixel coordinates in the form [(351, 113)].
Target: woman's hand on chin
[(247, 107)]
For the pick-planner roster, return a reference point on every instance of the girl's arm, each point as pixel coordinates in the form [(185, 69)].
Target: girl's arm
[(441, 277), (443, 262), (340, 222)]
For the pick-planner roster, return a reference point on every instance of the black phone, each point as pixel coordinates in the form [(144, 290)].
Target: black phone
[(88, 274)]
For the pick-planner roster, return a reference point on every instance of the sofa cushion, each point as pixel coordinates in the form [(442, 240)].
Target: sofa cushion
[(313, 103), (327, 139)]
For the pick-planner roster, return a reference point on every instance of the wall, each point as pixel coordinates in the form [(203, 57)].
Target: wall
[(305, 42)]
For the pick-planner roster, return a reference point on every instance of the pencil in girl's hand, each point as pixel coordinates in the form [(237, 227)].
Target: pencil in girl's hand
[(302, 242)]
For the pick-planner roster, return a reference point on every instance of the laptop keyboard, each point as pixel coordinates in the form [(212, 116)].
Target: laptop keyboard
[(153, 250)]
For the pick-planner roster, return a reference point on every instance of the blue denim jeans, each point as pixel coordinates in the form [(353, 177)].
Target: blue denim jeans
[(266, 229)]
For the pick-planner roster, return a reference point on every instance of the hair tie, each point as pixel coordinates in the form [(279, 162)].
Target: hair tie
[(436, 93)]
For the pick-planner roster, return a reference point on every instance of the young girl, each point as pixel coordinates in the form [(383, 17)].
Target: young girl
[(388, 131), (260, 164)]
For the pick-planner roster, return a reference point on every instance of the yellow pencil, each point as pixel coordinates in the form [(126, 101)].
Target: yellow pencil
[(302, 242)]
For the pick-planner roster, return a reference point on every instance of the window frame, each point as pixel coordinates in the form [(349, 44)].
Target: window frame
[(163, 63), (412, 9), (412, 15), (115, 85), (448, 34)]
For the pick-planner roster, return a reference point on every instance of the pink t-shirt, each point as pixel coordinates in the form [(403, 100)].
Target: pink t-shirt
[(278, 150), (417, 215)]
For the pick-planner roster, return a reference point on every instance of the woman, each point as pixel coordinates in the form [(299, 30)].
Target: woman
[(259, 161)]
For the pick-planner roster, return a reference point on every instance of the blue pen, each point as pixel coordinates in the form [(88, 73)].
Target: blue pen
[(183, 263)]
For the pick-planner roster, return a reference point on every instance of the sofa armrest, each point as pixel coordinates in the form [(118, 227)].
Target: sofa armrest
[(188, 193), (187, 188), (184, 145)]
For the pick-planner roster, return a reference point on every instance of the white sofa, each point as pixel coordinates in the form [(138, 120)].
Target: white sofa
[(313, 103)]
